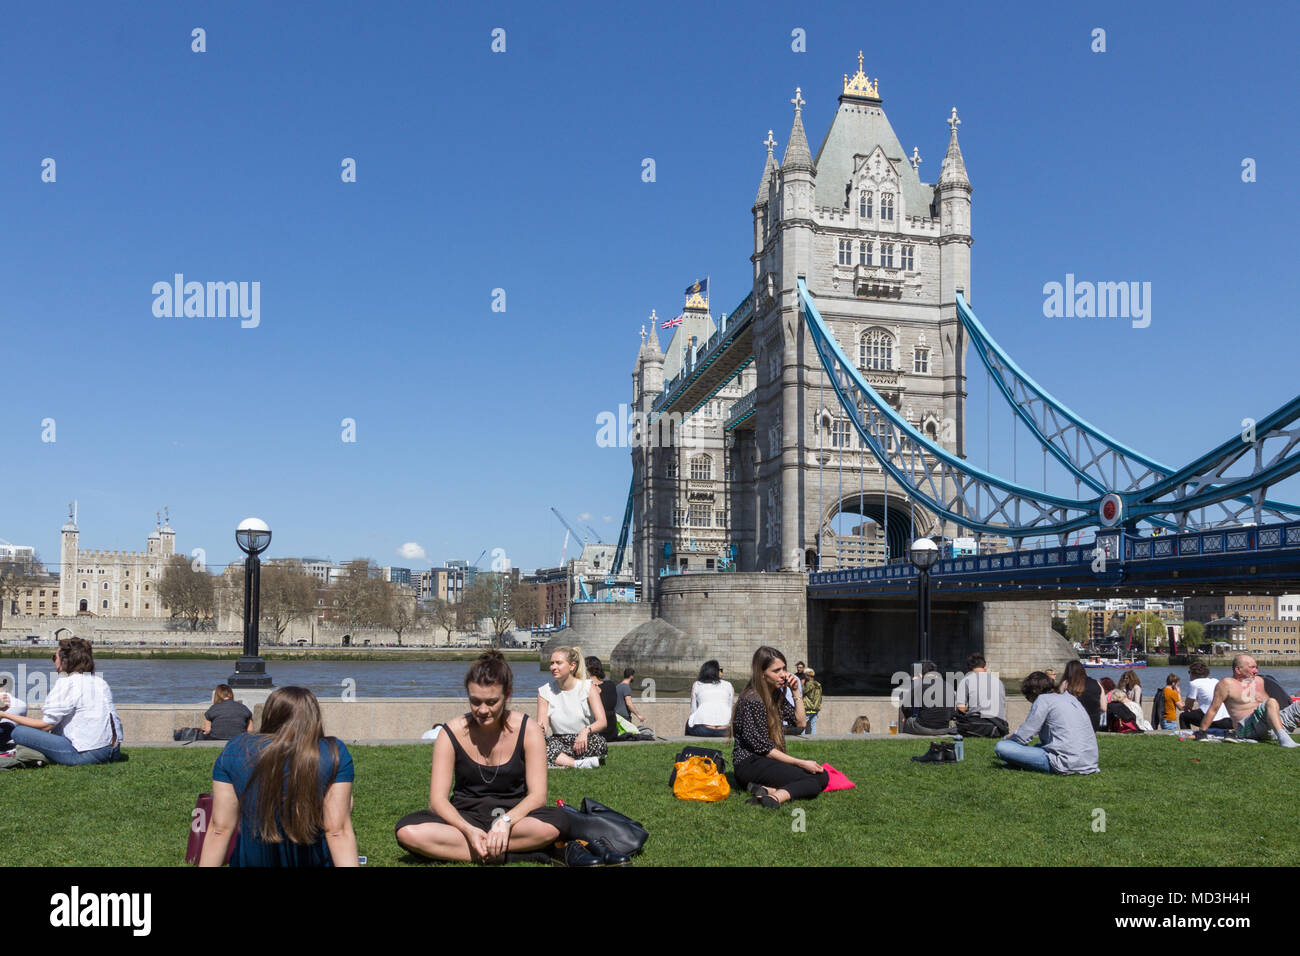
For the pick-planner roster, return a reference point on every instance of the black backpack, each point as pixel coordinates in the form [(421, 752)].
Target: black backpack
[(685, 753)]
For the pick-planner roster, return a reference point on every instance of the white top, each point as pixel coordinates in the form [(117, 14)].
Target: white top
[(81, 708), (568, 711), (9, 704), (1201, 691), (711, 704), (1135, 694)]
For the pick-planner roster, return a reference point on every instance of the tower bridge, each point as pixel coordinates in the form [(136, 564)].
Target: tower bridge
[(837, 387)]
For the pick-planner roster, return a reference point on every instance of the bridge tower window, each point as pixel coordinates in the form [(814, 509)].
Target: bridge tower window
[(887, 207), (876, 350), (921, 361), (864, 253), (887, 255), (909, 258), (846, 252), (702, 468), (864, 204)]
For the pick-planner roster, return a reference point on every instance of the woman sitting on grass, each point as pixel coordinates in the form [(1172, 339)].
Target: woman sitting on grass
[(78, 722), (496, 762), (762, 765), (1064, 727), (570, 705), (289, 789)]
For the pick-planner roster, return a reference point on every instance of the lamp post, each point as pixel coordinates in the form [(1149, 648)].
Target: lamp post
[(253, 537), (924, 554)]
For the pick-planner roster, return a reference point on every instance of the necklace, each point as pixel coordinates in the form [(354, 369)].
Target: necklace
[(496, 768)]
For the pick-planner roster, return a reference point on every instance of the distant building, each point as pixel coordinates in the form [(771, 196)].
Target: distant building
[(400, 576), (113, 583), (16, 552)]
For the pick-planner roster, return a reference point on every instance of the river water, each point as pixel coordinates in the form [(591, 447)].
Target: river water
[(191, 682)]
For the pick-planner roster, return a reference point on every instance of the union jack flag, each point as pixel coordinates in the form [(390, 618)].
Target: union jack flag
[(671, 323)]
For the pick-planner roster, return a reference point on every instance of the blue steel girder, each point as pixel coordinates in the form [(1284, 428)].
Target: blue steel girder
[(1094, 458), (948, 486), (944, 483), (701, 361)]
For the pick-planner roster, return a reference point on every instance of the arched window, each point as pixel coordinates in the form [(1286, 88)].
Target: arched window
[(876, 350), (887, 206), (702, 468), (864, 204), (83, 607)]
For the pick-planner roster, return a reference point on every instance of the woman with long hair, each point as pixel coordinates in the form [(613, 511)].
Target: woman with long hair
[(1130, 684), (569, 705), (1085, 690), (608, 693), (712, 702), (78, 722), (763, 767), (289, 789), (492, 761)]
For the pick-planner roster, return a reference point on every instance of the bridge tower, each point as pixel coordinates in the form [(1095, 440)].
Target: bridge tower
[(884, 254)]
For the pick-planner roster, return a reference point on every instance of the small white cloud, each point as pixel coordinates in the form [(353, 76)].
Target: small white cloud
[(412, 552), (585, 516), (608, 518)]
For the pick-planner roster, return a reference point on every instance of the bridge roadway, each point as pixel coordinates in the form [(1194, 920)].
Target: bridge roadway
[(1262, 560), (713, 364)]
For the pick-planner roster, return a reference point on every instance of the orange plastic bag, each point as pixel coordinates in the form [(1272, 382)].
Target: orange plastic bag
[(698, 779)]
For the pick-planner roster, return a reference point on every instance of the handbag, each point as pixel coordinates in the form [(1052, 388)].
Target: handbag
[(595, 820), (719, 761), (837, 780), (199, 820), (698, 779)]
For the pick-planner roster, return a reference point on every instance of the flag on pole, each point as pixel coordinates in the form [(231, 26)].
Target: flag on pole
[(700, 287), (671, 323)]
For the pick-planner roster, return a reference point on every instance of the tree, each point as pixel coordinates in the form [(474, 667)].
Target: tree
[(1077, 627), (1193, 634), (16, 575), (489, 597), (473, 606), (445, 616), (1058, 625), (1145, 628), (526, 603), (403, 611), (186, 591), (286, 593), (363, 596)]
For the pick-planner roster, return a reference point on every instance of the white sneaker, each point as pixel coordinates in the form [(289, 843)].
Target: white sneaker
[(587, 763)]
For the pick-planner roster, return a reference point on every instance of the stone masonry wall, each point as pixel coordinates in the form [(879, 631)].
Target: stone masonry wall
[(595, 628), (732, 614)]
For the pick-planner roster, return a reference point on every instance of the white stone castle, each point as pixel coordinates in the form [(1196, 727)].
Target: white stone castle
[(113, 583), (773, 460)]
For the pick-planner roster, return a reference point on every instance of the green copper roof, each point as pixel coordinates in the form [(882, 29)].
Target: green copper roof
[(858, 129)]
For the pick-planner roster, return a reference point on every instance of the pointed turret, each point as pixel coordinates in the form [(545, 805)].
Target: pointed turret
[(797, 153), (953, 171), (769, 172)]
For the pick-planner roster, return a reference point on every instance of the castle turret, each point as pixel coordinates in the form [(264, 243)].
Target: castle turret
[(647, 386), (68, 549), (953, 191), (762, 209)]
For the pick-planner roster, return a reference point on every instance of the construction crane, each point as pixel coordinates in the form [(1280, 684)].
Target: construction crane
[(595, 533), (570, 528), (478, 559)]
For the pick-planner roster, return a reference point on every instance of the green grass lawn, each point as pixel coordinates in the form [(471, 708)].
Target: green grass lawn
[(1166, 803)]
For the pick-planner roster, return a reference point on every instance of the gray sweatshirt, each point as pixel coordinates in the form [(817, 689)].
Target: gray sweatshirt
[(1062, 724)]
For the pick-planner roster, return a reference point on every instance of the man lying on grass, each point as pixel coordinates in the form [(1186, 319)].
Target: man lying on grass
[(1254, 713), (1061, 723)]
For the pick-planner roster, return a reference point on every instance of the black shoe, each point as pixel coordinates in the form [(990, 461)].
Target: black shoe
[(949, 751), (605, 852), (755, 789), (934, 755), (575, 854)]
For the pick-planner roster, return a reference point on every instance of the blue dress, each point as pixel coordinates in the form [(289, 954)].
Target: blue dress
[(235, 767)]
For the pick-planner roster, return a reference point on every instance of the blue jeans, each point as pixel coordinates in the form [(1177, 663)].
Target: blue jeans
[(699, 730), (58, 749), (1168, 725), (1023, 757), (812, 724)]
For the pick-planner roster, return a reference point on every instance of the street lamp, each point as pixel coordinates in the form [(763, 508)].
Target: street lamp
[(253, 537), (924, 554)]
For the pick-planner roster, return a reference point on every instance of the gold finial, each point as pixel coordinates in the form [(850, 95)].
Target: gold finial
[(859, 85)]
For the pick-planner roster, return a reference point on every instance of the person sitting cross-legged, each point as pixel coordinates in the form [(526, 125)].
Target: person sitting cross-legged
[(1069, 742), (1255, 715), (493, 762), (571, 707)]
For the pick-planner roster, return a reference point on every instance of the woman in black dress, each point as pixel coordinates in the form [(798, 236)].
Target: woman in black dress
[(497, 760), (1089, 693), (763, 767)]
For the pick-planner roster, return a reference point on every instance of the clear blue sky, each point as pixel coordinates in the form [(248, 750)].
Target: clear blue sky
[(522, 171)]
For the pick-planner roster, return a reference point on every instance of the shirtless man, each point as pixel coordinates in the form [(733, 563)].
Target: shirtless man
[(1254, 714)]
